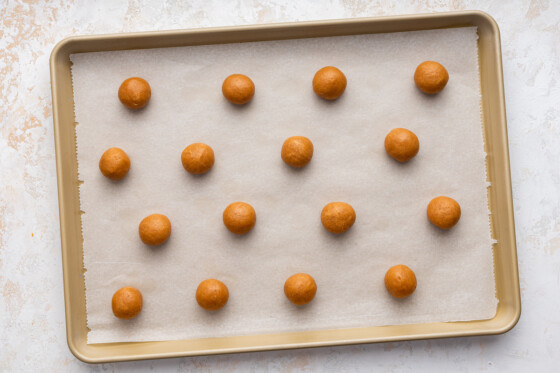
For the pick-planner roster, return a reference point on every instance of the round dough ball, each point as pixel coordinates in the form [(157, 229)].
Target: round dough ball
[(154, 229), (444, 212), (127, 303), (197, 158), (238, 89), (400, 281), (401, 144), (329, 83), (300, 289), (135, 93), (212, 294), (239, 217), (430, 77), (338, 217), (297, 151), (114, 164)]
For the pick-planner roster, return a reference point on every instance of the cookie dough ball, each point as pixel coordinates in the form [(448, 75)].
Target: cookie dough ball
[(154, 229), (401, 144), (338, 217), (444, 212), (238, 89), (400, 281), (329, 83), (114, 164), (300, 289), (430, 77), (297, 151), (212, 294), (127, 303), (135, 93), (198, 158), (239, 217)]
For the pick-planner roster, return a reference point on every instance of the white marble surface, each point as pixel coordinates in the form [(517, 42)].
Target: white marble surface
[(32, 328)]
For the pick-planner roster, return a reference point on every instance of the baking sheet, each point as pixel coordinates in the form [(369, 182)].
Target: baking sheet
[(454, 268)]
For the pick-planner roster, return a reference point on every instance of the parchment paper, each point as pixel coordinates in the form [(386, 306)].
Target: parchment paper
[(454, 268)]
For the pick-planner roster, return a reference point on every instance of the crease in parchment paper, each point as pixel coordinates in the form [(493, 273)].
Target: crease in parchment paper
[(454, 268)]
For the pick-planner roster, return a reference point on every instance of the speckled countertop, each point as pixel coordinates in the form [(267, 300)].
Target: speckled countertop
[(32, 327)]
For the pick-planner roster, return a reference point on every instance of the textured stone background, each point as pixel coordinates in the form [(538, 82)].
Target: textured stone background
[(32, 327)]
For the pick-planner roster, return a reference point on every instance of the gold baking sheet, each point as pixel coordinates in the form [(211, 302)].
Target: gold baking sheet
[(496, 146)]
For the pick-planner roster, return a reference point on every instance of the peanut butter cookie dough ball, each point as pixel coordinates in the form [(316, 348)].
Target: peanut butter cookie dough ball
[(212, 294), (338, 217), (431, 77), (198, 158), (238, 89), (154, 229), (444, 212), (135, 93), (114, 164), (329, 83), (300, 289), (401, 144), (239, 217), (127, 303), (400, 281), (297, 151)]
